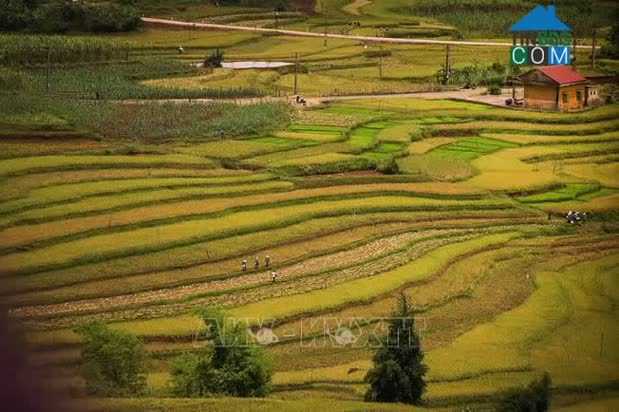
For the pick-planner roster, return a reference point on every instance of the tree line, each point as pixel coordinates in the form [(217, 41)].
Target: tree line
[(60, 16)]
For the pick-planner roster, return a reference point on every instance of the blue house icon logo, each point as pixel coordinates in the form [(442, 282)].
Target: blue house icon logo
[(544, 38), (540, 19)]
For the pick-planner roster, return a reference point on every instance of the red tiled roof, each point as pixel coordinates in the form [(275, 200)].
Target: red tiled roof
[(562, 74)]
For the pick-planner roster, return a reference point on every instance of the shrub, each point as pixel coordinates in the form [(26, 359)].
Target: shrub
[(534, 398), (390, 167), (112, 362), (377, 53), (609, 93), (494, 89), (11, 79), (215, 59), (229, 366), (477, 75), (611, 49)]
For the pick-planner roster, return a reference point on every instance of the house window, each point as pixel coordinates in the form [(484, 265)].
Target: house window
[(565, 97), (579, 95)]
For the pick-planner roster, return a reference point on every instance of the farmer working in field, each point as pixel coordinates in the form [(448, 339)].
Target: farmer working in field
[(267, 261), (273, 276), (257, 264), (244, 265)]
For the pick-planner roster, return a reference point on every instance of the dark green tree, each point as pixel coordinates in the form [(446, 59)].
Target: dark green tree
[(214, 59), (230, 365), (60, 16), (535, 397), (611, 49), (113, 362), (398, 372)]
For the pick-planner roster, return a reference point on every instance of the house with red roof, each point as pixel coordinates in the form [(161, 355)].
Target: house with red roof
[(556, 88)]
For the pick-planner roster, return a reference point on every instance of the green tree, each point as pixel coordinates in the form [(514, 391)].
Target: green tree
[(535, 397), (215, 59), (611, 49), (398, 372), (113, 362), (230, 365)]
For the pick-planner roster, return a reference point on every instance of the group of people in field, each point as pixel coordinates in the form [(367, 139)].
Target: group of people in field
[(574, 217), (267, 264)]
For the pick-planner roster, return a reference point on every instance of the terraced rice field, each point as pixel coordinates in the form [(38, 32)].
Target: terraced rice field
[(460, 223)]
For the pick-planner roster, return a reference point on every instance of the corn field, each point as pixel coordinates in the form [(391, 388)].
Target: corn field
[(29, 50)]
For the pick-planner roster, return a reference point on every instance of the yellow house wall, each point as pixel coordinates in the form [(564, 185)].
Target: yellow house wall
[(544, 97), (541, 97), (572, 102)]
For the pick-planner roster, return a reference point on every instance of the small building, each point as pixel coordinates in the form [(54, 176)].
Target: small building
[(593, 97), (554, 88)]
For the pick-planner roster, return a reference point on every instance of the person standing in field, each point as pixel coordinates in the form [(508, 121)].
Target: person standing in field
[(244, 265), (257, 264), (267, 261), (273, 276)]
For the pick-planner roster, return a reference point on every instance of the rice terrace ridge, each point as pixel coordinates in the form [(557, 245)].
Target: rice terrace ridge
[(301, 205)]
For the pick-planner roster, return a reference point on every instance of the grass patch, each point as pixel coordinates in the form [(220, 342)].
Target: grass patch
[(570, 191), (468, 148)]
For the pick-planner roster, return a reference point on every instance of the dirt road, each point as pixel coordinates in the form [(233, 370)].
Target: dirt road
[(355, 7), (472, 95), (149, 21)]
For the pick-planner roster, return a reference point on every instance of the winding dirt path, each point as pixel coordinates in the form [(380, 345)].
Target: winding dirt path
[(149, 21), (153, 22), (355, 7), (372, 249)]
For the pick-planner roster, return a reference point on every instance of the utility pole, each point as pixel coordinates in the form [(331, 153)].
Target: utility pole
[(325, 44), (49, 69), (447, 63), (595, 33), (296, 73), (324, 8), (380, 63), (574, 51)]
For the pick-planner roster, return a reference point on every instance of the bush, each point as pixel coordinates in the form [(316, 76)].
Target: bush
[(609, 93), (611, 50), (11, 79), (494, 90), (112, 362), (534, 398), (376, 53), (229, 366), (215, 59), (389, 168), (477, 75)]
